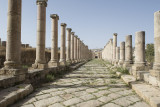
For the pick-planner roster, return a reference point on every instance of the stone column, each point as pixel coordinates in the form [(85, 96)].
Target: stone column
[(40, 62), (13, 49), (69, 45), (128, 51), (0, 43), (72, 47), (117, 54), (114, 46), (54, 48), (63, 45), (79, 50), (75, 48), (122, 53), (139, 64), (156, 67)]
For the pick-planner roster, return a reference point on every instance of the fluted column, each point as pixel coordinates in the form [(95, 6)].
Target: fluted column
[(63, 45), (128, 51), (40, 61), (122, 53), (54, 48), (69, 45), (72, 47), (75, 48), (114, 46), (13, 49)]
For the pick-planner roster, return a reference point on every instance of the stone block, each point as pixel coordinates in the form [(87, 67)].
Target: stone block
[(155, 73), (153, 80), (53, 64), (39, 66), (146, 77)]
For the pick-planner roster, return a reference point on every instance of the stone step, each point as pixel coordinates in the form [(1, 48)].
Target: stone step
[(11, 95), (146, 91)]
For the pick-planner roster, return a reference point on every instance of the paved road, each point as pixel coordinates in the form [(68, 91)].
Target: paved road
[(92, 85)]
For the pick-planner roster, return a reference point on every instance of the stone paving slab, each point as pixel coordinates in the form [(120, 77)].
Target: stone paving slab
[(91, 85)]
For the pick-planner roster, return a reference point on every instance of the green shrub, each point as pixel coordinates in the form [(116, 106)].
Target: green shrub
[(50, 78)]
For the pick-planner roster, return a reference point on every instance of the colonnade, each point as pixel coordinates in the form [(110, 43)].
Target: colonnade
[(75, 51), (124, 56)]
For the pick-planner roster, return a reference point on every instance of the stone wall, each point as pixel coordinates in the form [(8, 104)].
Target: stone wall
[(28, 56), (107, 51)]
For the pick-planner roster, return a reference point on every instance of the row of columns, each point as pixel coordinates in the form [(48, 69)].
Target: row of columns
[(123, 56), (76, 50)]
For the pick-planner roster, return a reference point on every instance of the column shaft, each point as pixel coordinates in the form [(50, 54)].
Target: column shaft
[(72, 47), (63, 46), (54, 47), (75, 48), (114, 45), (140, 48), (69, 45), (13, 49)]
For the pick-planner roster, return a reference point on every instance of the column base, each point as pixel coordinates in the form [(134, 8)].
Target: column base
[(137, 71), (69, 62), (12, 65), (121, 63), (127, 64), (155, 73), (39, 66), (53, 64), (20, 74), (62, 63)]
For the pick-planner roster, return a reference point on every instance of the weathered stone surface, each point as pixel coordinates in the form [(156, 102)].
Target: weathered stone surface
[(89, 86), (72, 101)]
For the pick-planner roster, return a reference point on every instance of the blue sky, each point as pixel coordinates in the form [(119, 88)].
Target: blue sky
[(94, 21)]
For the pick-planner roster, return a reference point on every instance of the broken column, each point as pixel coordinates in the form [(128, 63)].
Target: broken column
[(117, 55), (139, 64), (54, 48), (114, 46), (122, 53), (128, 52), (72, 47), (156, 67), (63, 45), (40, 62)]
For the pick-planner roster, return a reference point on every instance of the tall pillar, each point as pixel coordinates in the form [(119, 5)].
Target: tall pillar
[(80, 50), (54, 48), (63, 45), (40, 62), (72, 47), (117, 55), (69, 45), (156, 67), (114, 46), (139, 64), (128, 52), (0, 43), (13, 49), (122, 53), (75, 48)]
